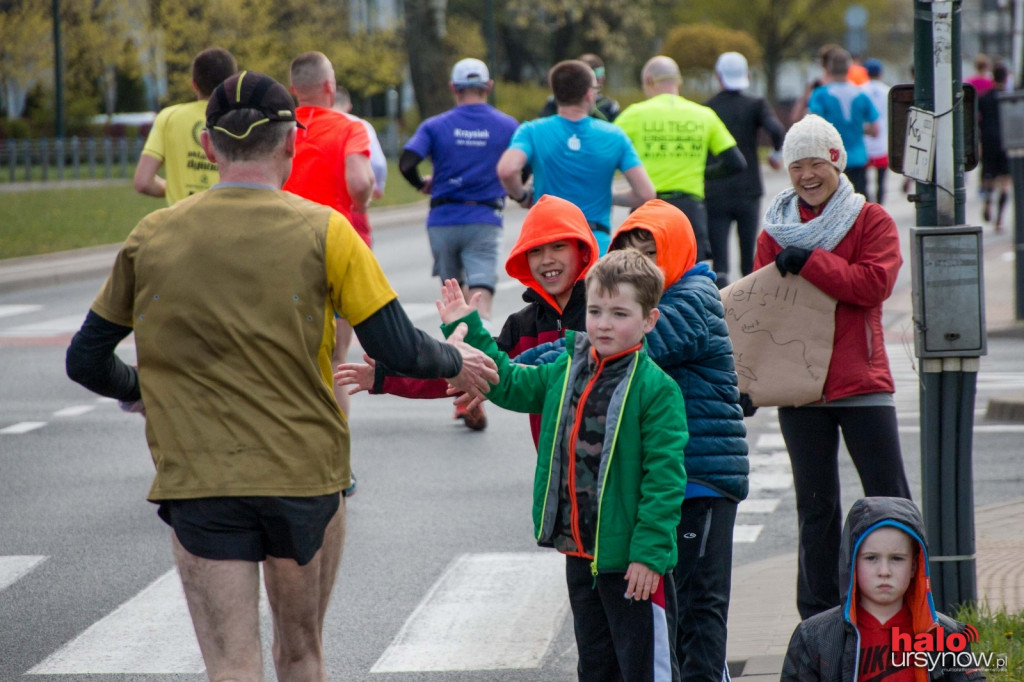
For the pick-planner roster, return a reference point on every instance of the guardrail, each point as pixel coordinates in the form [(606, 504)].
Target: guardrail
[(68, 158)]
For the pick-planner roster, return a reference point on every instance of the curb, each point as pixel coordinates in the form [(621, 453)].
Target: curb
[(1005, 409), (28, 272)]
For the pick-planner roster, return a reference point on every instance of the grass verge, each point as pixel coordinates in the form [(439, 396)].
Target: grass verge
[(1000, 633), (64, 217)]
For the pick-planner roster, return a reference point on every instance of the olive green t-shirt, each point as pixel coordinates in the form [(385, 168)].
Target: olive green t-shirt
[(673, 136), (231, 294)]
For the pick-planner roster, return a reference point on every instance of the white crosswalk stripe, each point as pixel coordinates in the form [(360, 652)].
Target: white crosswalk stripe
[(13, 568), (770, 441), (746, 533), (68, 324), (149, 634), (22, 427), (762, 506), (471, 620), (10, 310), (74, 410)]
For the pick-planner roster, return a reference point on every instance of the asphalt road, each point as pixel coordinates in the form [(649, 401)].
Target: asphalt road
[(439, 564)]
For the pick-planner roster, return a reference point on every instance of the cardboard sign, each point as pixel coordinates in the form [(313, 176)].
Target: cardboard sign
[(781, 330)]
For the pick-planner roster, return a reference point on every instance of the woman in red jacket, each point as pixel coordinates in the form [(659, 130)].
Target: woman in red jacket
[(829, 235)]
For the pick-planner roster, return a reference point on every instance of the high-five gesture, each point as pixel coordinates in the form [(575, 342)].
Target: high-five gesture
[(478, 371), (452, 305)]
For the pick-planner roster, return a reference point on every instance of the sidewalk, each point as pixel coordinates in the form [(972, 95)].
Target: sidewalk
[(763, 605)]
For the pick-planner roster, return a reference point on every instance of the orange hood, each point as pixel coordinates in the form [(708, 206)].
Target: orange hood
[(550, 220), (673, 235)]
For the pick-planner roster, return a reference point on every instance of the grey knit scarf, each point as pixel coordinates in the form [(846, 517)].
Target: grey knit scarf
[(782, 220)]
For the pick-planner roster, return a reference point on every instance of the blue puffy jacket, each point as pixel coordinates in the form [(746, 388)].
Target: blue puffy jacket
[(691, 342)]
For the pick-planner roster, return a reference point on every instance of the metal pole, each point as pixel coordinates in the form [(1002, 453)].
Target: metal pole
[(58, 69), (1018, 42), (492, 52), (1017, 169), (947, 388)]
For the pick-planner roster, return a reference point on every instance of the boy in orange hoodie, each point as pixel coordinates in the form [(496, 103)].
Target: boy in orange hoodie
[(555, 249)]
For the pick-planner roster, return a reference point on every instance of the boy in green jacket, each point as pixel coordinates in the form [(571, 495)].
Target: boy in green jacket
[(610, 480)]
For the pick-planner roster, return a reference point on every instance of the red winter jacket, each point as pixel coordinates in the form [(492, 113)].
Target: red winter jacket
[(860, 273)]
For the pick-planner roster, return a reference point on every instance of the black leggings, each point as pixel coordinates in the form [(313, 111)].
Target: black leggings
[(812, 438)]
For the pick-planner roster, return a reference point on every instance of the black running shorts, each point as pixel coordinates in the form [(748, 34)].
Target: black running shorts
[(251, 528)]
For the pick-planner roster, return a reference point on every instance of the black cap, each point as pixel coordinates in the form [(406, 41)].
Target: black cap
[(250, 90)]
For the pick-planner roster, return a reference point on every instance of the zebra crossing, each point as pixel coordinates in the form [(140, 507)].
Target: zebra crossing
[(150, 634)]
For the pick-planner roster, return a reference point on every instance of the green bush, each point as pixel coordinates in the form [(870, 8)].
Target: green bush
[(521, 101), (17, 128), (697, 46), (1000, 633)]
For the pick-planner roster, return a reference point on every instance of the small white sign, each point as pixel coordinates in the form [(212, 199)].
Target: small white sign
[(919, 152)]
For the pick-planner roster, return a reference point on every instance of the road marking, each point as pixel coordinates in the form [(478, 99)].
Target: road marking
[(741, 533), (22, 427), (151, 633), (763, 480), (770, 441), (8, 310), (74, 410), (60, 325), (762, 506), (13, 568), (778, 461), (984, 428), (471, 620)]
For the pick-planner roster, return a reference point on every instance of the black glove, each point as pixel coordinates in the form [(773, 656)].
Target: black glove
[(747, 405), (791, 259)]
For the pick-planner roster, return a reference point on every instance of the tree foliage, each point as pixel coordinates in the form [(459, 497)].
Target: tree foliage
[(265, 35), (790, 29), (618, 31), (26, 56)]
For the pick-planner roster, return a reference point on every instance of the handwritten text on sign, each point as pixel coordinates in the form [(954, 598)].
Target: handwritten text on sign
[(781, 330)]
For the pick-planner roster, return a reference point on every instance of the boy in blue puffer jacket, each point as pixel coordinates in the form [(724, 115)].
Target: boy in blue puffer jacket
[(691, 343)]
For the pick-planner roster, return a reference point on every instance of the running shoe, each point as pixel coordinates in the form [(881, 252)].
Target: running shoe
[(351, 490), (475, 419)]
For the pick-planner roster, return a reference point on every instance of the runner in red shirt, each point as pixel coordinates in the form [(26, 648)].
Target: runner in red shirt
[(331, 167)]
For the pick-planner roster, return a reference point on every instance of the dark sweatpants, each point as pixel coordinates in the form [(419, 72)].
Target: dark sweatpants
[(746, 212), (703, 582), (619, 639), (812, 438)]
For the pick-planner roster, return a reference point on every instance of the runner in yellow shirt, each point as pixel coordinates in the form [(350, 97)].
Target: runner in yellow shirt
[(173, 141), (673, 137)]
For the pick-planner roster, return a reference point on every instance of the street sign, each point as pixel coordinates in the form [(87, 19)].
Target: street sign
[(919, 152)]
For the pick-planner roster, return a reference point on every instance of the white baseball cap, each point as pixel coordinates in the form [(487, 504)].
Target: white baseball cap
[(470, 73), (731, 67)]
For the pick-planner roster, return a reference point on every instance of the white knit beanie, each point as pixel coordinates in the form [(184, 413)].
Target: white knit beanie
[(814, 137)]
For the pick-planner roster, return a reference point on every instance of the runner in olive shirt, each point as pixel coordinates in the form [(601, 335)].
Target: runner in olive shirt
[(230, 294), (673, 137)]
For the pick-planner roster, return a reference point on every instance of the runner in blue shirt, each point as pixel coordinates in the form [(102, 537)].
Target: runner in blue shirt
[(574, 156), (466, 197), (846, 107)]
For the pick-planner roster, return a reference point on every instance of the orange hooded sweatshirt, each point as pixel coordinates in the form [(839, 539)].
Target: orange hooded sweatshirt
[(673, 236), (550, 220)]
